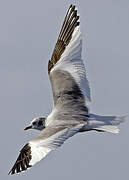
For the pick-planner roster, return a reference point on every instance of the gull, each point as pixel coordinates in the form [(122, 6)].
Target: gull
[(71, 96)]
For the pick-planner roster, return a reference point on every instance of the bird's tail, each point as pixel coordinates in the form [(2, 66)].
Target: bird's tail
[(105, 123)]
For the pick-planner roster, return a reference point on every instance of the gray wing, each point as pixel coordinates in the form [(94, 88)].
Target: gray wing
[(66, 68), (49, 139), (68, 97)]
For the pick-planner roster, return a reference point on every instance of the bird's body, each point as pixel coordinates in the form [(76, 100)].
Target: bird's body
[(71, 95)]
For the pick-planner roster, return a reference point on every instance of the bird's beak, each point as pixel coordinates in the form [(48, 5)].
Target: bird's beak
[(28, 127)]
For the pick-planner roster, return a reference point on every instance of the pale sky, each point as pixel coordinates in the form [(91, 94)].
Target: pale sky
[(28, 32)]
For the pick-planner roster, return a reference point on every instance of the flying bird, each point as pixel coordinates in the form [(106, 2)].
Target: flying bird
[(71, 96)]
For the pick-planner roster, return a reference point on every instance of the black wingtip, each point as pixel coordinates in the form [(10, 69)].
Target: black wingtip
[(70, 5), (71, 21), (23, 160)]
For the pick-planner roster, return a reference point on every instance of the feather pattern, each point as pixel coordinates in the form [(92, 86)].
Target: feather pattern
[(67, 53), (49, 139)]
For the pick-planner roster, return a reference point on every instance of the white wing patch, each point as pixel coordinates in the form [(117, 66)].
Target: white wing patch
[(41, 147), (37, 152), (71, 62)]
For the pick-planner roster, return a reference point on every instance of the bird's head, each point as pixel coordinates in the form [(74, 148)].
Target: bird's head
[(36, 123)]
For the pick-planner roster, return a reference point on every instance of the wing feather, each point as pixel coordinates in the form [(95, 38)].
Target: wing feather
[(67, 55), (65, 35), (49, 139)]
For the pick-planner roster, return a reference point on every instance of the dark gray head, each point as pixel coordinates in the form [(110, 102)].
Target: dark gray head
[(37, 123)]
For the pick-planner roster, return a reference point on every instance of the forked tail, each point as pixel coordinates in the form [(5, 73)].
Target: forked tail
[(105, 123)]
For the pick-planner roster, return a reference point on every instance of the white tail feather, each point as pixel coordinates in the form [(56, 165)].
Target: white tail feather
[(105, 123), (108, 128)]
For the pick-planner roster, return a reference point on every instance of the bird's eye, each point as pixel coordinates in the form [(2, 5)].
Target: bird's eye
[(40, 123), (34, 123)]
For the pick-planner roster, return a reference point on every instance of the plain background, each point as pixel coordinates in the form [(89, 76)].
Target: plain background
[(28, 32)]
